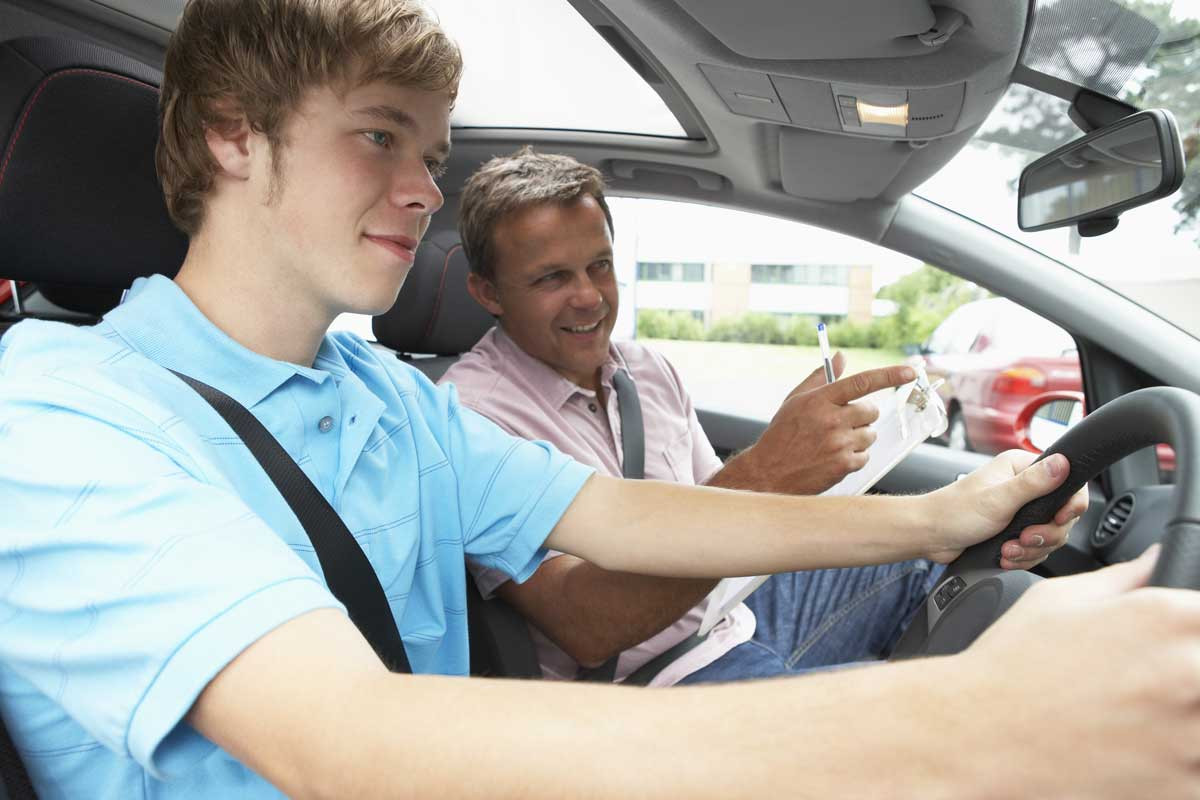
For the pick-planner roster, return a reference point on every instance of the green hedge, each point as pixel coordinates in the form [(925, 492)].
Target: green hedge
[(923, 298), (655, 324)]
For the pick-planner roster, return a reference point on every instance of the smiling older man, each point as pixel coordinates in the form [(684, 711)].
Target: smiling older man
[(538, 233)]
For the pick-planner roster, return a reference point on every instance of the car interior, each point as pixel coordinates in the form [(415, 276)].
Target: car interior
[(756, 91)]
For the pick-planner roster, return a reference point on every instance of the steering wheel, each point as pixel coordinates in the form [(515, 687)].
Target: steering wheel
[(974, 592)]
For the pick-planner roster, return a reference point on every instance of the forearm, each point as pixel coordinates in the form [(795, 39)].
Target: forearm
[(681, 531), (803, 738), (333, 723), (593, 614)]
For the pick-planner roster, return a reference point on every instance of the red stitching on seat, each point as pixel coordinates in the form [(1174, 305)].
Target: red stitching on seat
[(12, 146), (437, 303)]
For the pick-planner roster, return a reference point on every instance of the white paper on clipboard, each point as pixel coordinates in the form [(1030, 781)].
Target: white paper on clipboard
[(914, 413)]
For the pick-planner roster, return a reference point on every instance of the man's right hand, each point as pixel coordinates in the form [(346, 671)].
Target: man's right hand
[(818, 436), (1101, 681)]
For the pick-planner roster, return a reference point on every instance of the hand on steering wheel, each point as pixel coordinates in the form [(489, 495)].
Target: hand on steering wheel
[(975, 591), (983, 503)]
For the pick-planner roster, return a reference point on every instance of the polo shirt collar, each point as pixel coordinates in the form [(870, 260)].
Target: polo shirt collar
[(556, 389), (160, 320)]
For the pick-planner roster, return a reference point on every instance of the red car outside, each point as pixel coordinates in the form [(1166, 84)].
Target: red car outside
[(994, 357)]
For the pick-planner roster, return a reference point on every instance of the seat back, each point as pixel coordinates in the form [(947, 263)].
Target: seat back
[(82, 211), (434, 320)]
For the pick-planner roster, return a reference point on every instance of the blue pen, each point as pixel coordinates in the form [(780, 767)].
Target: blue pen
[(823, 340)]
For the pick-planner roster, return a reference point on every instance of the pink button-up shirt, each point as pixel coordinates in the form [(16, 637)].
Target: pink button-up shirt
[(529, 399)]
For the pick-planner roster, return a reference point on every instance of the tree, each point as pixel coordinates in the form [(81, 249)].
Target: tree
[(923, 299)]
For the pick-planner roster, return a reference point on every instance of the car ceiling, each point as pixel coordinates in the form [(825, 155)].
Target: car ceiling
[(704, 56), (775, 167)]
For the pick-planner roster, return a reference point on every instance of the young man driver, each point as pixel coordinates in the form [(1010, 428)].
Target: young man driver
[(537, 231), (166, 630)]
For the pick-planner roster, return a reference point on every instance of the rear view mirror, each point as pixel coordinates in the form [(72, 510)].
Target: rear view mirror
[(1093, 179)]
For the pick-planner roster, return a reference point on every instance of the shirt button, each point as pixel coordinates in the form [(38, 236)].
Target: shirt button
[(325, 425), (591, 407)]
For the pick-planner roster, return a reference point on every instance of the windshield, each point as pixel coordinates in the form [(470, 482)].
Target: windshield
[(1151, 51)]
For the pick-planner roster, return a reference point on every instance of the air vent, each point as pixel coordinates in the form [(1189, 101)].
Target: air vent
[(1113, 522)]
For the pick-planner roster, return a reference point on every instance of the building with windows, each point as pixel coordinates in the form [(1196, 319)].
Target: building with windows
[(827, 292), (717, 264)]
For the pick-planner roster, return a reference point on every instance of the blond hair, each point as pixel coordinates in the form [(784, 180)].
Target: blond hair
[(256, 59), (512, 183)]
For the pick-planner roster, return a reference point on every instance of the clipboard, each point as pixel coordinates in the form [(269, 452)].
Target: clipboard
[(913, 413)]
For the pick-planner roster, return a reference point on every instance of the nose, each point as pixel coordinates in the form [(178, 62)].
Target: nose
[(415, 189), (586, 294)]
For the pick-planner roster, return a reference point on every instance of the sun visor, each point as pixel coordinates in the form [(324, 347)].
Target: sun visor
[(785, 30), (837, 168)]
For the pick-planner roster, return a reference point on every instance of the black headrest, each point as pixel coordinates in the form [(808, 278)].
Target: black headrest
[(80, 203), (434, 313)]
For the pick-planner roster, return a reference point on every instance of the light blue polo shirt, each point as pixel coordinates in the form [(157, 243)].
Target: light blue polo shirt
[(142, 547)]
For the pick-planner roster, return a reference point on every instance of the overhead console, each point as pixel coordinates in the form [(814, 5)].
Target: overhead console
[(877, 111), (899, 70)]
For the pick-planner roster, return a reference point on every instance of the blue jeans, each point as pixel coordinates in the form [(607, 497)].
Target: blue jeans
[(824, 618)]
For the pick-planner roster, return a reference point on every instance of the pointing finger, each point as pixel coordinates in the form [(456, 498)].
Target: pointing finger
[(816, 378), (861, 384)]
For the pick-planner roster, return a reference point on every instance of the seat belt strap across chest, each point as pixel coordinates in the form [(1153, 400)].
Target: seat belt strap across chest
[(633, 446), (348, 572), (633, 465), (633, 433)]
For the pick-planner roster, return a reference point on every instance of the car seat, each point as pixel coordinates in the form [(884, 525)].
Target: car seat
[(434, 320), (81, 212)]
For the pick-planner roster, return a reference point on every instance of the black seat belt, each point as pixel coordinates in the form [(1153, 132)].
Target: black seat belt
[(348, 573)]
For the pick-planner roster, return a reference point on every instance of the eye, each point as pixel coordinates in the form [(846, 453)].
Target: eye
[(379, 138), (603, 265), (550, 278)]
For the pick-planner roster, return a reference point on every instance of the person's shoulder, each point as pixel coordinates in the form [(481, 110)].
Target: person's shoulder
[(37, 346), (95, 360), (54, 375), (479, 372), (648, 364)]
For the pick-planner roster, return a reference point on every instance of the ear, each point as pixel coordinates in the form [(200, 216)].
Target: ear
[(484, 292), (232, 144)]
